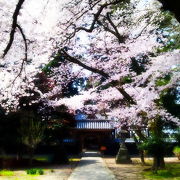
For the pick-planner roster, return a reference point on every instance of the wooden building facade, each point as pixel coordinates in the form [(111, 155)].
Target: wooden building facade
[(93, 134)]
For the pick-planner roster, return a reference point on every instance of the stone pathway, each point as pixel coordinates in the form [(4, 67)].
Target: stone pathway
[(91, 167)]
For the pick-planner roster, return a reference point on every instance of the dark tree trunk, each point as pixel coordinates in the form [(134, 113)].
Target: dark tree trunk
[(158, 163), (161, 162), (31, 154), (155, 164), (142, 157)]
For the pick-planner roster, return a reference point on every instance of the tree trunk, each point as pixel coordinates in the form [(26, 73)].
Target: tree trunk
[(142, 157), (158, 163), (31, 153), (161, 162), (155, 164)]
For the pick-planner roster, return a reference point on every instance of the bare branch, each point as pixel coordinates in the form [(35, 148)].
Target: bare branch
[(13, 28)]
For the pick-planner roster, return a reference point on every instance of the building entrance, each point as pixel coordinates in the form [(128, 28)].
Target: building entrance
[(91, 143)]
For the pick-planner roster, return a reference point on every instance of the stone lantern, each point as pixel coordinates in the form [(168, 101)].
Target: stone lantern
[(122, 156)]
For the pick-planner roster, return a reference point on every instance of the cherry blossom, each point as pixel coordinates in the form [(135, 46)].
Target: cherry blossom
[(93, 39)]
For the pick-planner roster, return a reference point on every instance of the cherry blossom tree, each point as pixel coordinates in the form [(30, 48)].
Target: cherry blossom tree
[(125, 48), (112, 53), (99, 39)]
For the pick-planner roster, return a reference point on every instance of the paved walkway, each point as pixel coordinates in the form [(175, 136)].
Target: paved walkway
[(91, 167)]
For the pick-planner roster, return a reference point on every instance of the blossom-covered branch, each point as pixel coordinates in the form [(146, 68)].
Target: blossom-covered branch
[(25, 53), (100, 72), (97, 14), (14, 26)]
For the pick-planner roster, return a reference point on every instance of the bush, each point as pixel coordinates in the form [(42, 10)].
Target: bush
[(154, 145), (176, 151), (41, 171), (31, 171), (34, 171)]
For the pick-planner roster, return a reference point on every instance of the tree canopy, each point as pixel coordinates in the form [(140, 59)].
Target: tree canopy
[(128, 51)]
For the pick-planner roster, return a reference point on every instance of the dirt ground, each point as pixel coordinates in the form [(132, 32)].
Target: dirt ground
[(60, 172), (130, 171)]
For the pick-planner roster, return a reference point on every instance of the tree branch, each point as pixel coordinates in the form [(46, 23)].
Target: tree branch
[(25, 53), (76, 61), (100, 72), (96, 16), (106, 28), (13, 28), (120, 37), (25, 40), (126, 95)]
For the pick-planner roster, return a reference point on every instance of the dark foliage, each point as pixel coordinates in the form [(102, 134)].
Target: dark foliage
[(138, 63), (168, 100), (74, 87), (173, 6)]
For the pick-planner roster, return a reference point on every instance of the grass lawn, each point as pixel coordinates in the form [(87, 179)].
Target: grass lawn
[(171, 172)]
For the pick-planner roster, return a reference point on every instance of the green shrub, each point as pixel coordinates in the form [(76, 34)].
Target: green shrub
[(31, 171), (41, 171), (34, 171), (153, 145), (176, 151)]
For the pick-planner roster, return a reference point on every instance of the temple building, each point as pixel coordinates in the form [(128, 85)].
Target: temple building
[(93, 134)]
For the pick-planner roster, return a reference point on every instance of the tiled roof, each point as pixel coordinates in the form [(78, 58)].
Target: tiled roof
[(93, 124)]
